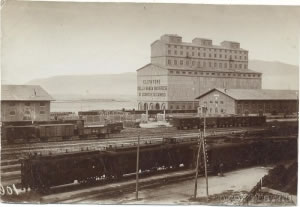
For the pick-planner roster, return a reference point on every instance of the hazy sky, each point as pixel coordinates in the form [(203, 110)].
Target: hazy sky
[(42, 39)]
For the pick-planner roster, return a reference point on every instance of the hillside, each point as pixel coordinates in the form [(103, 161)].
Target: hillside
[(122, 86), (98, 86), (276, 75)]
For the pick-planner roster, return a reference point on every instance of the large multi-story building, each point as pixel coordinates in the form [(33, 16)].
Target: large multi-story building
[(180, 71)]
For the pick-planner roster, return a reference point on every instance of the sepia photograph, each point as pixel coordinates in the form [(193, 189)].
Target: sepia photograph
[(134, 103)]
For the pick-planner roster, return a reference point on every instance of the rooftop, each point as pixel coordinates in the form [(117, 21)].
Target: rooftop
[(24, 93), (256, 94), (202, 69)]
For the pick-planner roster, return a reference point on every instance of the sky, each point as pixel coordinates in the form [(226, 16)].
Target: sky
[(44, 39)]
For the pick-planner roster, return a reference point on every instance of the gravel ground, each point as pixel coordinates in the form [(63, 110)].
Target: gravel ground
[(227, 190)]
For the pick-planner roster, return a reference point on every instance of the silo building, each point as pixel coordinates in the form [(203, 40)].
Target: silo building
[(180, 71)]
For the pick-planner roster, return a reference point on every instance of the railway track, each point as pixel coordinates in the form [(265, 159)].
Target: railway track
[(125, 133), (121, 136), (14, 152), (112, 137)]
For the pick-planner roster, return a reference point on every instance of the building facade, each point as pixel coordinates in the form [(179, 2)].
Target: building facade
[(24, 102), (249, 101), (179, 71)]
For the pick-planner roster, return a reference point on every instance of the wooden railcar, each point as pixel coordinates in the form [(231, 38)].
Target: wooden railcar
[(64, 131), (28, 131)]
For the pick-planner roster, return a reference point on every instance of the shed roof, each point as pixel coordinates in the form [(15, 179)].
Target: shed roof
[(256, 94), (24, 93)]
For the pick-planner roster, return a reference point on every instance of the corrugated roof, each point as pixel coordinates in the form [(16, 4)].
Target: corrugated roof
[(256, 94), (24, 93)]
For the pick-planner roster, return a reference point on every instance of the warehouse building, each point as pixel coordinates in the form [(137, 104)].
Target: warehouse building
[(24, 102), (249, 101), (179, 71)]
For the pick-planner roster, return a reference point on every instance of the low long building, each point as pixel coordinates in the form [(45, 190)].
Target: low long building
[(220, 101), (24, 102)]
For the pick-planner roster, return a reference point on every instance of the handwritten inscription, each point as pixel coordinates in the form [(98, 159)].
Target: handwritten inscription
[(8, 190)]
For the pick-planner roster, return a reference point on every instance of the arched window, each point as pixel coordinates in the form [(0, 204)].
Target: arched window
[(157, 106), (140, 106), (151, 106), (145, 106)]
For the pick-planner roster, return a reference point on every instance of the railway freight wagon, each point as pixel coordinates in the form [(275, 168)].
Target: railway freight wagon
[(212, 122), (64, 131), (43, 172), (115, 127), (24, 131), (97, 131)]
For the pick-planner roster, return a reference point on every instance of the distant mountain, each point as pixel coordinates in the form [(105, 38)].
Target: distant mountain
[(276, 75), (99, 86), (123, 86)]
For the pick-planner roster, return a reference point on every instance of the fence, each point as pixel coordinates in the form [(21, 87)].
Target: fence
[(254, 190)]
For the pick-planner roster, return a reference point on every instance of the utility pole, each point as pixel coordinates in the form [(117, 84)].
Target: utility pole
[(197, 165), (204, 120), (137, 169), (297, 107), (204, 150), (147, 113), (205, 165)]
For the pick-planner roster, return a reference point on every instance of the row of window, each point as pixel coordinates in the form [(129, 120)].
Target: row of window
[(216, 102), (210, 110), (183, 107), (26, 104), (212, 73), (207, 49), (13, 113), (208, 64), (265, 105), (198, 54)]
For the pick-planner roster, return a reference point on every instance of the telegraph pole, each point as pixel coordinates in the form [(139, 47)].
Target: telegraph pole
[(205, 165), (197, 166), (137, 169), (204, 149), (204, 120)]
